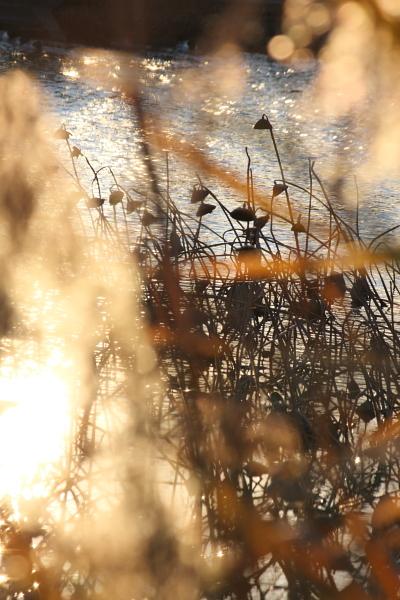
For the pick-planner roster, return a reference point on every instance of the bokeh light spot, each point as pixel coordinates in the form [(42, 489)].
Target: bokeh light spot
[(281, 47)]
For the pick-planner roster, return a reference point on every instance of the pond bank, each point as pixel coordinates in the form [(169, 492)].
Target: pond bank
[(134, 25)]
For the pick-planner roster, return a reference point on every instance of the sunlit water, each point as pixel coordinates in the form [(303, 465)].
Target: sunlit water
[(35, 420), (212, 102)]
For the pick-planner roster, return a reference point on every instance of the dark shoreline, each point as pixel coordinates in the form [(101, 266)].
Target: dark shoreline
[(123, 24)]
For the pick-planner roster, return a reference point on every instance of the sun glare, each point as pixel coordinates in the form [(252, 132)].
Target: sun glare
[(34, 425)]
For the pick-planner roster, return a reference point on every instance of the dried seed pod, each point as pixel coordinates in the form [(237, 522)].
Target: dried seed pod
[(251, 235), (133, 205), (366, 411), (353, 389), (298, 227), (276, 399), (175, 243), (334, 287), (242, 213), (148, 219), (62, 134), (278, 188), (260, 222), (94, 202), (205, 209), (263, 123), (360, 292), (201, 285), (199, 193), (115, 197), (75, 152)]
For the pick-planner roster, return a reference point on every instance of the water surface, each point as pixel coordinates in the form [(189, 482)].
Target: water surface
[(212, 102)]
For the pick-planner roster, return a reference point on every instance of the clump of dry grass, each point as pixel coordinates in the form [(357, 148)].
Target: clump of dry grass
[(265, 462), (278, 428)]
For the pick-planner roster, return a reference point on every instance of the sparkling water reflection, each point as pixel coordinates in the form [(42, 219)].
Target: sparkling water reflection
[(212, 102)]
